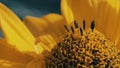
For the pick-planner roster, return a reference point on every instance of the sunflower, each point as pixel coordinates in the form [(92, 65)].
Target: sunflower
[(69, 47), (87, 21)]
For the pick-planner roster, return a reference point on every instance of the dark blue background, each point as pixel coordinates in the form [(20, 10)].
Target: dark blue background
[(36, 8)]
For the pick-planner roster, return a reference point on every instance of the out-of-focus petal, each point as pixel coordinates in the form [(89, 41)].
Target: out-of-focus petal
[(79, 9), (46, 41), (50, 24), (37, 63), (15, 32), (67, 11), (8, 52), (9, 64), (107, 18)]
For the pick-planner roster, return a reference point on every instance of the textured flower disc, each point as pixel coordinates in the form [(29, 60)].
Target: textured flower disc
[(84, 49)]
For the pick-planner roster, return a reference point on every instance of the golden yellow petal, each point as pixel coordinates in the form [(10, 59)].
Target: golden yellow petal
[(15, 22), (79, 10), (105, 13), (107, 18), (15, 32), (8, 52), (9, 64), (35, 25), (37, 63), (67, 11), (47, 41), (49, 24)]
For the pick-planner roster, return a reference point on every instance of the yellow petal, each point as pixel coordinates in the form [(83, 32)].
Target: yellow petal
[(47, 41), (37, 63), (67, 11), (107, 18), (11, 54), (15, 31), (79, 10), (50, 24), (9, 64), (105, 13)]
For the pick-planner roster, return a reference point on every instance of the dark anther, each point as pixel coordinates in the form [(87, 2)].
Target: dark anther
[(66, 28), (72, 29), (92, 25), (76, 24), (84, 24), (81, 31)]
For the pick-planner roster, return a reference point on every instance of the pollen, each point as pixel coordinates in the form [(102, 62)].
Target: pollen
[(83, 48)]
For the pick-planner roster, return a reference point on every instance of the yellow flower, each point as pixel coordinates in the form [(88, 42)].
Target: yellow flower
[(105, 13), (49, 32)]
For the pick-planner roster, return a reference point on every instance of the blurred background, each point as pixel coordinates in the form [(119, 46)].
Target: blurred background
[(36, 8)]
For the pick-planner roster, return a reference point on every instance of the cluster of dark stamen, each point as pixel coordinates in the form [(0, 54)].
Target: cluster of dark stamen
[(89, 50), (92, 26)]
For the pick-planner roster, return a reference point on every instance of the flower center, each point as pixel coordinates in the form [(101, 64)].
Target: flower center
[(83, 48)]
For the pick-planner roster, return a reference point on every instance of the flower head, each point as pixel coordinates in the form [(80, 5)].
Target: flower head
[(91, 43), (84, 45), (82, 49)]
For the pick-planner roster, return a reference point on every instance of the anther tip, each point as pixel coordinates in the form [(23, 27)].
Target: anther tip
[(72, 29), (66, 28), (84, 24), (76, 24), (92, 25), (81, 31)]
